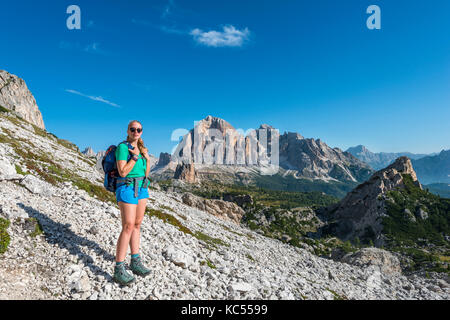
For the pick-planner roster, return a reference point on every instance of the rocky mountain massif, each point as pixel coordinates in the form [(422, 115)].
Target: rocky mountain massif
[(59, 227), (215, 151), (363, 207), (391, 210), (15, 96)]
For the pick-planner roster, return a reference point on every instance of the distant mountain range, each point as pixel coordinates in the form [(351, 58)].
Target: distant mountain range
[(381, 160), (433, 169), (430, 168)]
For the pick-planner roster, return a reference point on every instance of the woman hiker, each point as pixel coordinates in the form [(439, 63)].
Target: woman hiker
[(131, 195)]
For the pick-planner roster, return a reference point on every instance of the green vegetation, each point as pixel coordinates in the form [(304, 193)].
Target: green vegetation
[(289, 215), (166, 208), (324, 247), (167, 218), (210, 241), (94, 190), (19, 170), (4, 236), (3, 109), (337, 296), (208, 263), (164, 184), (37, 227), (52, 172), (289, 183), (420, 239), (263, 196)]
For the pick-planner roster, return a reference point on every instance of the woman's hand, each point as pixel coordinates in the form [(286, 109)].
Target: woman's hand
[(134, 151)]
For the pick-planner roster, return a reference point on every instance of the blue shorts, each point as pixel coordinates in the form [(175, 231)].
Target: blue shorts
[(125, 194)]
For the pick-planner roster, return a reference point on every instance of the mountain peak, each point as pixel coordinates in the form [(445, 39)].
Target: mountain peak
[(401, 165), (358, 149), (211, 122), (362, 207), (15, 96), (265, 126)]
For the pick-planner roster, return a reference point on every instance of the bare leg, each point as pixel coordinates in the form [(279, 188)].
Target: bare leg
[(128, 214), (136, 234)]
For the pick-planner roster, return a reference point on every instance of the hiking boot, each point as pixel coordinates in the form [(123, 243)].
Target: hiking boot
[(138, 268), (121, 275)]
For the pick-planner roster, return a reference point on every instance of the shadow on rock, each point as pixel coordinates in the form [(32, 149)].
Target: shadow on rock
[(60, 234)]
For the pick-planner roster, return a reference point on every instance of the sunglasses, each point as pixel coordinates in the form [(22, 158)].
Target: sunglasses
[(139, 130)]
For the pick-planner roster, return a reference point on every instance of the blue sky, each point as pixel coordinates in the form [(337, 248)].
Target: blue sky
[(311, 67)]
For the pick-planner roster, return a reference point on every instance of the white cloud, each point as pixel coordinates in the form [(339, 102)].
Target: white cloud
[(229, 37), (99, 99)]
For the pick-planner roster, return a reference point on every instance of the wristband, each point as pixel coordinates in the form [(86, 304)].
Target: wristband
[(135, 157)]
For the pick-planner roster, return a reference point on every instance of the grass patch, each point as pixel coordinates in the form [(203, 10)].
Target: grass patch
[(37, 229), (94, 190), (208, 263), (209, 240), (168, 218), (166, 207), (4, 236), (337, 296), (19, 170), (237, 233)]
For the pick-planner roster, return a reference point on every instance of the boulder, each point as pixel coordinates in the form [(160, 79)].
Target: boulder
[(6, 168), (36, 185), (178, 257), (219, 208), (388, 263), (420, 213)]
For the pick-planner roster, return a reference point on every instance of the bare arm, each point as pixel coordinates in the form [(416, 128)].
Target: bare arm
[(124, 167)]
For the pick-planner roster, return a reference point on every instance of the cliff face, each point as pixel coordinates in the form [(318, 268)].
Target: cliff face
[(315, 159), (360, 212), (213, 141), (15, 96)]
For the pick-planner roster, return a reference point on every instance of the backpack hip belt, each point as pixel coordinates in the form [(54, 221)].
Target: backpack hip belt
[(135, 182)]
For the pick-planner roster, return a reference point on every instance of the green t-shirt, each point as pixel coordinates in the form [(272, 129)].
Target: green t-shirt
[(139, 167)]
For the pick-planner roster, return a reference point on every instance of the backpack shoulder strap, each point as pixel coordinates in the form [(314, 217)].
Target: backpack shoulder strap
[(125, 141)]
